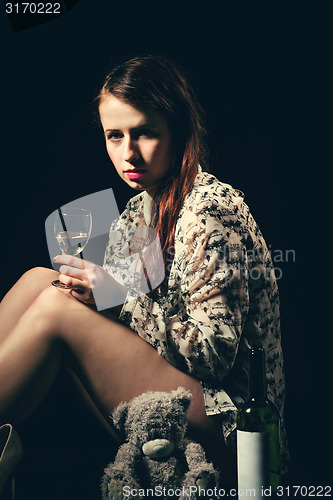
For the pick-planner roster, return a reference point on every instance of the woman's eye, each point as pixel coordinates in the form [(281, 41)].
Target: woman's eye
[(114, 136), (146, 133)]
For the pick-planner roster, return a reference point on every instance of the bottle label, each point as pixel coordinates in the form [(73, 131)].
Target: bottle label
[(253, 462)]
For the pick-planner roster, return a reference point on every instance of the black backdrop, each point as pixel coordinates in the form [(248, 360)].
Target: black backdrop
[(260, 73)]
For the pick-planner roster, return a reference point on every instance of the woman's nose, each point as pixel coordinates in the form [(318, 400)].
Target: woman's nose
[(130, 150)]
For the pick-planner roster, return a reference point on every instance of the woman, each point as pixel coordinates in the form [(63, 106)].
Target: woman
[(218, 296)]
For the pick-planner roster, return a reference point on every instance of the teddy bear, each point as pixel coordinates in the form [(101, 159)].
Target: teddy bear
[(156, 459)]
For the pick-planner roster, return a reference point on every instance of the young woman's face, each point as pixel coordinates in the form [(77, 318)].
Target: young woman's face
[(138, 143)]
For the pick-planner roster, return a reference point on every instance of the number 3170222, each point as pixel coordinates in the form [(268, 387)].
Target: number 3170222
[(33, 8)]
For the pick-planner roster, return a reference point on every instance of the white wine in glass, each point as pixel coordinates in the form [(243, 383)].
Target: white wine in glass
[(72, 230), (72, 243)]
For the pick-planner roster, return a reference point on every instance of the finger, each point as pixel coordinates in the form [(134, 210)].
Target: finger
[(73, 271), (70, 260), (72, 282), (80, 295)]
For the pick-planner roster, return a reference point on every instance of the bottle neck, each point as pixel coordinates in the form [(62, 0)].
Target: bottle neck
[(257, 385)]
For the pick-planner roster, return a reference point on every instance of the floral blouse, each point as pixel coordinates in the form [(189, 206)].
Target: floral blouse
[(221, 299)]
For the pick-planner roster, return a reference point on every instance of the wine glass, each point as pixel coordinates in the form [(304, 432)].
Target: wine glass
[(72, 230)]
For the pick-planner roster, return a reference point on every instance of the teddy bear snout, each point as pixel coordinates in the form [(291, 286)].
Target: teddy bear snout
[(158, 448)]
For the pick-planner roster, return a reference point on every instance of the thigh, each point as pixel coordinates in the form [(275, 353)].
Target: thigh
[(112, 361), (22, 295)]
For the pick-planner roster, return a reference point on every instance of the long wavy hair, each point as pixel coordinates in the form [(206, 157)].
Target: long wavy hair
[(157, 83)]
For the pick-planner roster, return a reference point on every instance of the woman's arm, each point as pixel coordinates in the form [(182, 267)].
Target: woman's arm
[(212, 265)]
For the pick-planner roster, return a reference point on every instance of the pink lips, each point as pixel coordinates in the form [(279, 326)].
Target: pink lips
[(134, 174)]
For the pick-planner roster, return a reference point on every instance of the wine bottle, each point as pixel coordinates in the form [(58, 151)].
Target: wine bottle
[(258, 434)]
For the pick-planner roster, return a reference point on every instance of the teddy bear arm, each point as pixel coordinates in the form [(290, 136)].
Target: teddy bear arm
[(201, 473), (119, 474), (128, 454), (194, 453)]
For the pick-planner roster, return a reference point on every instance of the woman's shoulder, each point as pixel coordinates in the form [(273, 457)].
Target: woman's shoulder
[(208, 191), (213, 206)]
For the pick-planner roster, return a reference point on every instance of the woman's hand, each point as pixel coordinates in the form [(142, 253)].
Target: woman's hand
[(89, 283), (79, 275)]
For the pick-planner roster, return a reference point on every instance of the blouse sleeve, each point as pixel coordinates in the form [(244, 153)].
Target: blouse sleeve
[(119, 261), (211, 260), (125, 255)]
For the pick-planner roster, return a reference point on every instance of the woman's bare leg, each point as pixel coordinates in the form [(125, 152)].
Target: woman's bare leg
[(116, 364), (12, 307), (22, 295), (113, 362)]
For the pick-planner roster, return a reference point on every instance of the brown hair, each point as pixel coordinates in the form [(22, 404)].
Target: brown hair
[(155, 82)]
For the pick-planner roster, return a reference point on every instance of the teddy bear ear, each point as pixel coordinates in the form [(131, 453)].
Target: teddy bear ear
[(119, 415), (183, 396)]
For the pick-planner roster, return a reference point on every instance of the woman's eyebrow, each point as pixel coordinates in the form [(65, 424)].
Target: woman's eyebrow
[(111, 130), (142, 125)]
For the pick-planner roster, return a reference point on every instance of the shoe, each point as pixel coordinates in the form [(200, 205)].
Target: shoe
[(11, 453)]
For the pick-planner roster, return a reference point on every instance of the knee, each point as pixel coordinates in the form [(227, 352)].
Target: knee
[(45, 311), (37, 279), (37, 274), (51, 300)]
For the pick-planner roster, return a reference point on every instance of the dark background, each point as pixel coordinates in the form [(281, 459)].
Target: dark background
[(261, 73)]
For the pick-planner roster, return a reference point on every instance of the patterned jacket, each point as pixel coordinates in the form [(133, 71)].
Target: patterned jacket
[(222, 297)]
